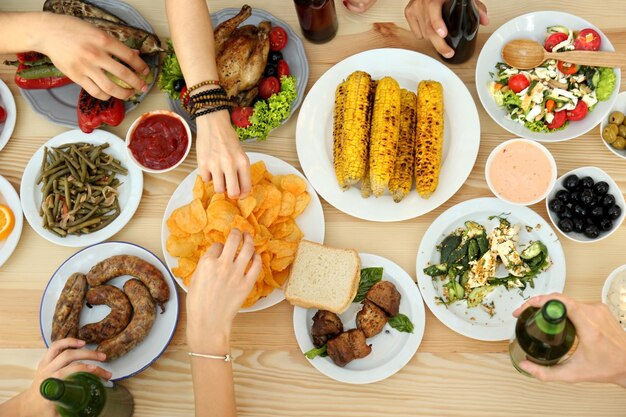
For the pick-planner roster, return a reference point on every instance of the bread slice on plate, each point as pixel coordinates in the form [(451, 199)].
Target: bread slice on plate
[(323, 277)]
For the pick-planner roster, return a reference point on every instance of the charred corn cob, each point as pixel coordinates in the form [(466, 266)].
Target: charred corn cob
[(402, 178), (429, 141), (384, 134), (366, 186), (338, 121), (355, 129)]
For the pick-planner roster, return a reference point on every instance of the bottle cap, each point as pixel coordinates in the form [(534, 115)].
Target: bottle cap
[(52, 389), (554, 311)]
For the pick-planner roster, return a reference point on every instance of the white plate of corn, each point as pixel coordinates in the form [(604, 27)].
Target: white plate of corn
[(388, 135)]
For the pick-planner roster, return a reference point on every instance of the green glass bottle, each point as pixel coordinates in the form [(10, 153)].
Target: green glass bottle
[(84, 395), (544, 336)]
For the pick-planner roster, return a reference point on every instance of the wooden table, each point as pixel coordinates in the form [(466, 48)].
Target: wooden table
[(449, 376)]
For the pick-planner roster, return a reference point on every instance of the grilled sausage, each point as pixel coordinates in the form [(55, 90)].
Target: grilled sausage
[(119, 265), (133, 37), (114, 322), (79, 8), (371, 319), (144, 313), (68, 308), (348, 346), (385, 295), (326, 325)]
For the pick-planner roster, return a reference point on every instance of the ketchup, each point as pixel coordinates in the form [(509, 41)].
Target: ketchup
[(318, 19), (159, 141)]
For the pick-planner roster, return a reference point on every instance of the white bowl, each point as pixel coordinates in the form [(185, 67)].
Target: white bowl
[(530, 142), (132, 127), (598, 175), (607, 285), (620, 105), (533, 26)]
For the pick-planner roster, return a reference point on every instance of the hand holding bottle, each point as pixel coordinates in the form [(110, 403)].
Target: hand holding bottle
[(601, 352)]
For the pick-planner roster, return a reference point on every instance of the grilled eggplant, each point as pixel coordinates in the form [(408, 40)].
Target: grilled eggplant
[(133, 37), (79, 8)]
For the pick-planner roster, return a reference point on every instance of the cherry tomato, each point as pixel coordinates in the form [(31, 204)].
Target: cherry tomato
[(588, 40), (579, 112), (518, 82), (268, 86), (241, 116), (553, 40), (182, 93), (278, 38), (558, 121), (567, 68), (282, 68), (3, 114)]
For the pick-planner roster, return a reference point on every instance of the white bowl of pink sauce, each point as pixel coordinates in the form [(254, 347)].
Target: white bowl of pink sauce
[(520, 171)]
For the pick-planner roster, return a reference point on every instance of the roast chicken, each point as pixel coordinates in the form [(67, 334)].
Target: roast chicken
[(241, 55)]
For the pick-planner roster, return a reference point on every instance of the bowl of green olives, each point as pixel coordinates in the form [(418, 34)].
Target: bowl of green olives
[(586, 205), (613, 129)]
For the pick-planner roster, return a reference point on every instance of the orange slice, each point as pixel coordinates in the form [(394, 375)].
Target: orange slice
[(7, 222)]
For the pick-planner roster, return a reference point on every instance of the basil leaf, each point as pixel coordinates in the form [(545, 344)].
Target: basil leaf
[(401, 323), (369, 277), (315, 352)]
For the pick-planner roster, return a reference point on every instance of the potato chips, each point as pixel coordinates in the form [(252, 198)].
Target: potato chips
[(268, 214)]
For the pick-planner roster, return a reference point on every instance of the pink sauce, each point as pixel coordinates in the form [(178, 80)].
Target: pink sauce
[(520, 172)]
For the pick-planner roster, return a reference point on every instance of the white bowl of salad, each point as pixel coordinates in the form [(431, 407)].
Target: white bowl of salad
[(555, 101)]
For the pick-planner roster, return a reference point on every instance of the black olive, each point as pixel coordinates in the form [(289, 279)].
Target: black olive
[(566, 225), (586, 197), (178, 84), (601, 188), (574, 196), (563, 195), (597, 212), (566, 213), (589, 220), (571, 182), (614, 212), (592, 231), (274, 57), (605, 224), (586, 182), (607, 200), (270, 71), (579, 210), (556, 205), (595, 200), (579, 224)]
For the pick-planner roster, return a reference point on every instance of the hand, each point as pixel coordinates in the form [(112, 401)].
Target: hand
[(358, 6), (83, 52), (425, 21), (219, 286), (601, 352), (220, 156), (60, 361)]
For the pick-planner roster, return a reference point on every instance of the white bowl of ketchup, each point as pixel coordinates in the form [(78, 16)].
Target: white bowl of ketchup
[(158, 141), (520, 171)]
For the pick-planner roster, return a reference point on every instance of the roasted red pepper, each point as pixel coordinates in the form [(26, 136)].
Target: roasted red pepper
[(32, 58), (93, 112), (40, 76)]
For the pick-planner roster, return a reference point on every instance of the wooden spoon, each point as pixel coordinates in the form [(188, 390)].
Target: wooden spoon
[(527, 54)]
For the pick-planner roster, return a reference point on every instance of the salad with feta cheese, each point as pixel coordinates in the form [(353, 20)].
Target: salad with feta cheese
[(548, 97)]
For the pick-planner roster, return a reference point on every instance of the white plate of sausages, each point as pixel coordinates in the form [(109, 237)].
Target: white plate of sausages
[(152, 298)]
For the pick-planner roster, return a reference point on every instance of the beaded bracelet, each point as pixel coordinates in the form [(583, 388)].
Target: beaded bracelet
[(209, 110), (213, 97), (185, 96)]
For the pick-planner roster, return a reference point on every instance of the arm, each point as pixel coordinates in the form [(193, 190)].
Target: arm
[(219, 286), (220, 156), (78, 50)]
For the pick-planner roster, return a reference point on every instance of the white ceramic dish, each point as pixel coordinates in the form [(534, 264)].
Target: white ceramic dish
[(532, 143), (129, 197), (609, 281), (314, 133), (311, 221), (533, 26), (149, 350), (475, 322), (8, 102), (391, 349), (131, 130), (9, 197), (598, 175), (620, 105)]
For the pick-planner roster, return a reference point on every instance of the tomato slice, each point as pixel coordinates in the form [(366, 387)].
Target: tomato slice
[(282, 68), (588, 40), (567, 68), (558, 121), (268, 86), (278, 38), (553, 40), (240, 116), (518, 82), (579, 112)]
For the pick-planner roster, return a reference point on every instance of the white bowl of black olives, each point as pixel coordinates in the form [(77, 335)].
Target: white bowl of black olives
[(586, 205)]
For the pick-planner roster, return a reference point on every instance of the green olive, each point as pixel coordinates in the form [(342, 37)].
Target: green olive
[(616, 117), (622, 130), (609, 133), (619, 144)]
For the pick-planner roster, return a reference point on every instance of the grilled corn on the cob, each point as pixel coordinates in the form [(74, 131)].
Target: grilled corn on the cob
[(402, 178), (429, 141), (338, 121), (384, 134)]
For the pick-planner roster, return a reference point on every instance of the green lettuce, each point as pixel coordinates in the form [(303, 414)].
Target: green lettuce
[(170, 72), (606, 85)]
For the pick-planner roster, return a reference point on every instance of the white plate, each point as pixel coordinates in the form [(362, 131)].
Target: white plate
[(149, 350), (311, 221), (620, 105), (475, 322), (534, 26), (130, 190), (9, 197), (391, 349), (314, 133), (8, 102)]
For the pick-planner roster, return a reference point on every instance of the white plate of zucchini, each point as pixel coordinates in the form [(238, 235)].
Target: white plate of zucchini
[(454, 157)]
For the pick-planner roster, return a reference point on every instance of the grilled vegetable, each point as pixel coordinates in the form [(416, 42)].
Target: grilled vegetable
[(135, 38), (338, 120), (79, 8), (429, 141), (402, 178), (40, 77), (384, 134), (93, 112), (148, 78)]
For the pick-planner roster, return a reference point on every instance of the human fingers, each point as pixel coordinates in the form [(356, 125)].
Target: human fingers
[(245, 254), (563, 372), (232, 244), (56, 348), (245, 179), (232, 182), (413, 21), (440, 45), (358, 6), (214, 251), (125, 74), (84, 367), (218, 181), (482, 13), (72, 355), (108, 86), (93, 89), (253, 273), (129, 56), (436, 21), (540, 300)]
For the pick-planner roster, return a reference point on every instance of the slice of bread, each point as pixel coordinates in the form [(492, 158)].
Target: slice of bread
[(323, 277)]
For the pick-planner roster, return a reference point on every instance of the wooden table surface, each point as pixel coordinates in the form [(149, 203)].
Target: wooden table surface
[(450, 375)]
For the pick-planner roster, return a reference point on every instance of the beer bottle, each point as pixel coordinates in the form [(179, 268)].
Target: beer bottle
[(318, 19), (544, 336), (462, 20), (84, 395)]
